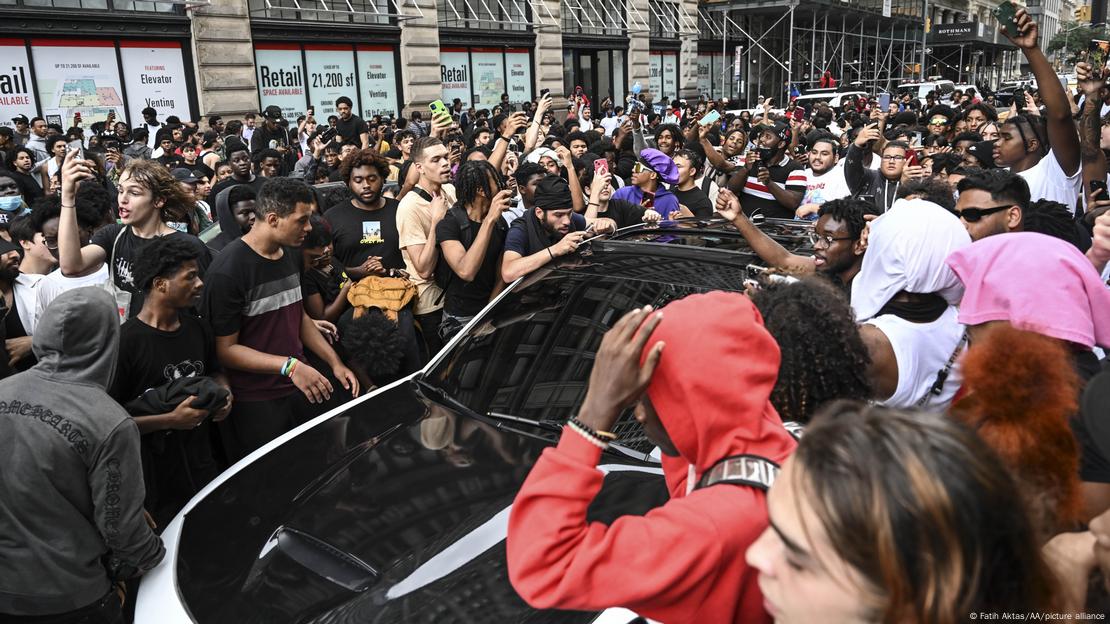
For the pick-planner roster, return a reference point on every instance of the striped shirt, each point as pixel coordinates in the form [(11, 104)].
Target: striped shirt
[(757, 198), (260, 300)]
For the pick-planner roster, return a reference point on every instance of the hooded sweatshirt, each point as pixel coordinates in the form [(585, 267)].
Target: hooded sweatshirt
[(229, 227), (71, 486), (863, 181), (683, 561)]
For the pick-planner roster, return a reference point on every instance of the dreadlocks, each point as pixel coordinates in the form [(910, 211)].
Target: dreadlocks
[(823, 356), (474, 176)]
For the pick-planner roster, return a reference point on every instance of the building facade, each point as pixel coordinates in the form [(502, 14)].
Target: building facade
[(229, 57)]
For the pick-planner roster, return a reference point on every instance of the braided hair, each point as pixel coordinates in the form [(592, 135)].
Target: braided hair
[(474, 176), (823, 356)]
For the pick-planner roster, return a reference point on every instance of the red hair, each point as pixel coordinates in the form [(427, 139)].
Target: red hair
[(1023, 390)]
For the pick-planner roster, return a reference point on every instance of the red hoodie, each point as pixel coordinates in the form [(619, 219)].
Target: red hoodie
[(684, 561)]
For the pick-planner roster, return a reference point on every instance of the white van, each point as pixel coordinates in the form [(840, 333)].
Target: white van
[(833, 98)]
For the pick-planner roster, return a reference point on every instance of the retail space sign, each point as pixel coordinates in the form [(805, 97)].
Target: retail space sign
[(281, 82), (77, 76), (331, 75), (655, 76), (377, 80), (519, 66), (489, 76), (154, 73), (670, 75), (16, 95), (454, 73), (705, 82)]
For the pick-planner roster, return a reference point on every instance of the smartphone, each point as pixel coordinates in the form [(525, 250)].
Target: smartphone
[(601, 166), (439, 109), (710, 118), (544, 92), (1006, 14), (77, 118), (884, 101), (1098, 187), (1097, 52)]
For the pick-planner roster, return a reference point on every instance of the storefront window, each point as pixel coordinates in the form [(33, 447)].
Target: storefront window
[(372, 12), (128, 6), (478, 76), (94, 78), (294, 76), (484, 15)]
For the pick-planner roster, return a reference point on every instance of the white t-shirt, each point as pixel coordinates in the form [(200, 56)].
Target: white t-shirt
[(25, 292), (610, 124), (54, 284), (152, 137), (1048, 181), (826, 187), (922, 350)]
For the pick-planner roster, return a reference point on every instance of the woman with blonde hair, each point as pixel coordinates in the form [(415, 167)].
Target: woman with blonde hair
[(897, 517)]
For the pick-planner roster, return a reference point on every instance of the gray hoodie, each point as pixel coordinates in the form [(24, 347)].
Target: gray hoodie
[(71, 485)]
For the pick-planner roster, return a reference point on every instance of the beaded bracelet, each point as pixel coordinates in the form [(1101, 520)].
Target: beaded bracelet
[(604, 436), (592, 439)]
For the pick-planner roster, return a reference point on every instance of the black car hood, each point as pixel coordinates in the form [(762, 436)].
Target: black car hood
[(392, 510)]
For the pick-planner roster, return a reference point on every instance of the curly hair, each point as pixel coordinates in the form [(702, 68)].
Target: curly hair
[(823, 356), (850, 211), (1052, 218), (363, 158), (162, 257), (374, 344), (151, 175), (1022, 390)]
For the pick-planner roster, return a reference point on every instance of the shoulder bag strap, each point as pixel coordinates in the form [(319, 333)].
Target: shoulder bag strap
[(749, 470)]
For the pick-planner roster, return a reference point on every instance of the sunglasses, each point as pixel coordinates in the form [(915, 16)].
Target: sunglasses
[(641, 168), (972, 215), (940, 121)]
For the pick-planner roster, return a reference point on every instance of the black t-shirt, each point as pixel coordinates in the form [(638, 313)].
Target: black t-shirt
[(393, 153), (468, 298), (150, 357), (262, 137), (350, 131), (129, 249), (359, 234), (327, 285), (695, 200), (624, 212)]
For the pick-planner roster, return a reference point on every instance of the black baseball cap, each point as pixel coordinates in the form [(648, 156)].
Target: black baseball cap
[(21, 119), (182, 174), (273, 113)]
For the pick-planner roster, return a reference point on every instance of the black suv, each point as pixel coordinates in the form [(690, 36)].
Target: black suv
[(394, 506)]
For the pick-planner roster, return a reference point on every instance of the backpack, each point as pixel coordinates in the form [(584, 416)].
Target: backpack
[(444, 274)]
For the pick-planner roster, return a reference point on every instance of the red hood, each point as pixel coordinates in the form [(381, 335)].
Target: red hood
[(713, 383)]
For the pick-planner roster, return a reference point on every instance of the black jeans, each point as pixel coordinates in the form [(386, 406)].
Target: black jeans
[(252, 424), (429, 332), (107, 610)]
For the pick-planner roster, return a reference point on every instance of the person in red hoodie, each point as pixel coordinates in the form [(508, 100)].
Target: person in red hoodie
[(683, 561)]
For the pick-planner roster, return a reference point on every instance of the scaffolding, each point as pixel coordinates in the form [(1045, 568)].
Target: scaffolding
[(793, 45)]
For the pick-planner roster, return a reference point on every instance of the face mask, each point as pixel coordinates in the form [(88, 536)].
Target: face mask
[(12, 204)]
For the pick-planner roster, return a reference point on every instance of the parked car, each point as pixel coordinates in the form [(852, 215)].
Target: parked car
[(833, 98), (943, 88), (394, 507)]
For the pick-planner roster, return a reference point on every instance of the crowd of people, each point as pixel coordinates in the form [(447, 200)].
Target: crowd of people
[(178, 294)]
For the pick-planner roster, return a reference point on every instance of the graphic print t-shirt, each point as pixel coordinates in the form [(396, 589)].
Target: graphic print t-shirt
[(149, 357), (130, 248), (359, 234)]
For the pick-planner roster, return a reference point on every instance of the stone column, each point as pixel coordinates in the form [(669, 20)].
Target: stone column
[(223, 55), (420, 66), (549, 53), (638, 61), (688, 55)]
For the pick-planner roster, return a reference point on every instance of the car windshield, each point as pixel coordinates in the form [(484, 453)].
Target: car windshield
[(530, 356)]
